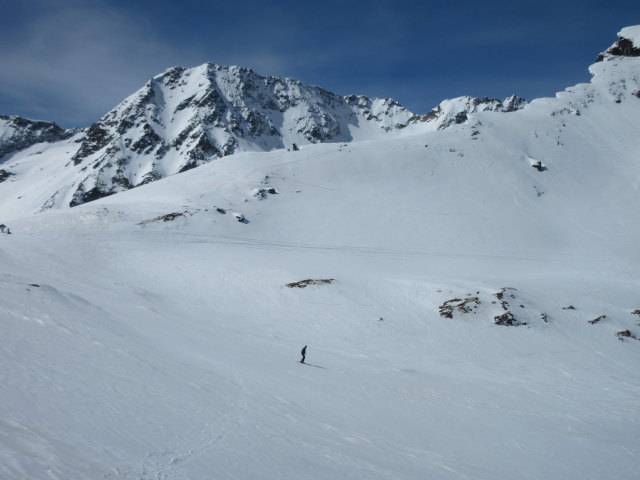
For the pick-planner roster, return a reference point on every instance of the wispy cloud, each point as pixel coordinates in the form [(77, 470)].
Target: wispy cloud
[(79, 58)]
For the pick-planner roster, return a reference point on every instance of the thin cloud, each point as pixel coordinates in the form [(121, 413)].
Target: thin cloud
[(81, 57)]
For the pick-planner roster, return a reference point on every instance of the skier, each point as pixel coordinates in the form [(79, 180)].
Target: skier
[(304, 353)]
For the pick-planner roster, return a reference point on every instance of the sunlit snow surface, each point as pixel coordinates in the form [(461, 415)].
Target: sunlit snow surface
[(138, 348)]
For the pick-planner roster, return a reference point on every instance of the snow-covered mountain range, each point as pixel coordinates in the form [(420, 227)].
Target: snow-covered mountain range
[(466, 282), (183, 118)]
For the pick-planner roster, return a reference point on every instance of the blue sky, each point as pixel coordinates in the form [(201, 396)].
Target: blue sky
[(71, 61)]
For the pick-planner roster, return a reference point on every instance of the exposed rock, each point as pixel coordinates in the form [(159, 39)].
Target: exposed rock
[(597, 319), (169, 217), (4, 174), (506, 319), (539, 166), (622, 48), (466, 305), (626, 334), (240, 218), (627, 45), (309, 281)]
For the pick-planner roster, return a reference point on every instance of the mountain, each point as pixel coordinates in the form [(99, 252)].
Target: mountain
[(468, 296), (18, 133), (183, 118)]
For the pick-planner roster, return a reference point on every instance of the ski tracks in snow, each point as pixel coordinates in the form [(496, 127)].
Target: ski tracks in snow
[(168, 463)]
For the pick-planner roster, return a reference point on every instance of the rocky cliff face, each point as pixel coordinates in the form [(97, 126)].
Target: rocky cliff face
[(18, 133)]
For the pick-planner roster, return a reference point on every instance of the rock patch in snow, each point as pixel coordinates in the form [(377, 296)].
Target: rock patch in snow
[(310, 281), (169, 217)]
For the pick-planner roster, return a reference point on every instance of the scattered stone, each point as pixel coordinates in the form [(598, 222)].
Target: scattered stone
[(635, 312), (501, 296), (34, 285), (544, 317), (240, 218), (310, 281), (221, 211), (570, 307), (507, 319), (596, 320), (626, 333), (467, 305), (262, 193)]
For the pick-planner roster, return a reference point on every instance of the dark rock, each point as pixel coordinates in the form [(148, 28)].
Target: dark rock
[(466, 305), (169, 217), (626, 334), (539, 166), (97, 137), (4, 174), (309, 281), (505, 319), (622, 48), (240, 218)]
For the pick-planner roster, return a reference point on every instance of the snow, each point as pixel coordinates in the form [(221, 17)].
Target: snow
[(631, 33), (139, 348)]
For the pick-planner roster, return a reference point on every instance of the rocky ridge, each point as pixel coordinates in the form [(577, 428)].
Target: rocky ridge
[(184, 118), (18, 133)]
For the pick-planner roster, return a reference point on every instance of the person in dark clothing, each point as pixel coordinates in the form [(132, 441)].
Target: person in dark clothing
[(304, 353)]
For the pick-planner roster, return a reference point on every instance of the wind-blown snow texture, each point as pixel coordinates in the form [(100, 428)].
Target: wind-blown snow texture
[(482, 321)]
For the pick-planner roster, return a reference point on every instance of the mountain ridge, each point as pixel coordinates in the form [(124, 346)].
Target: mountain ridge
[(185, 117)]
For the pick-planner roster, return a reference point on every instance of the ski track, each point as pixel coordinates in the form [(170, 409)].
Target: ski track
[(168, 463), (361, 251)]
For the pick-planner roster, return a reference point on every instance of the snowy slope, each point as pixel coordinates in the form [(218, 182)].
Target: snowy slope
[(151, 334)]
